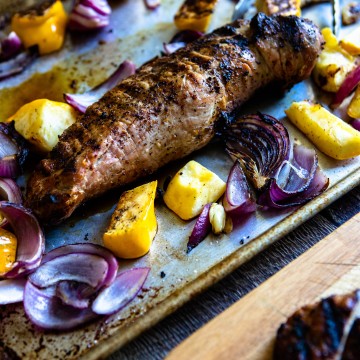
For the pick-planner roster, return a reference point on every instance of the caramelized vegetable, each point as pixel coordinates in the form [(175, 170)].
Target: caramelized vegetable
[(8, 245), (330, 134), (133, 224), (43, 26), (195, 15), (283, 7), (42, 121), (191, 188), (351, 42)]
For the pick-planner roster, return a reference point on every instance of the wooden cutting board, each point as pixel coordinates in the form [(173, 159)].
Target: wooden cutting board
[(248, 328)]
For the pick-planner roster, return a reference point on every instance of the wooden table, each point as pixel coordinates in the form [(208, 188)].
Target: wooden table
[(158, 341)]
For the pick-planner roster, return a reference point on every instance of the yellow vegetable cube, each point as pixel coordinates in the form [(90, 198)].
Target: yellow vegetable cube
[(283, 7), (42, 121), (353, 109), (333, 64), (191, 188), (330, 134), (351, 42), (133, 224), (42, 27), (8, 245), (195, 15)]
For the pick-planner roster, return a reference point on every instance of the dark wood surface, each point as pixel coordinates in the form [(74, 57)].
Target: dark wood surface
[(162, 338)]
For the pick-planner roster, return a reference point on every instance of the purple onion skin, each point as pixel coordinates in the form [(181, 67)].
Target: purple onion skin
[(12, 291), (49, 313), (152, 4), (355, 124), (10, 46), (201, 229), (31, 240), (121, 292)]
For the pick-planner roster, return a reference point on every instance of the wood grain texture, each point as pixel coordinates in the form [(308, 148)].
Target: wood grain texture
[(162, 338), (247, 329)]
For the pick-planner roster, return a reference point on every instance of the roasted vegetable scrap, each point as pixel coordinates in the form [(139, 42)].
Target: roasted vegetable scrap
[(353, 109), (133, 224), (351, 13), (195, 15), (333, 64), (283, 7), (351, 42), (43, 26), (333, 136)]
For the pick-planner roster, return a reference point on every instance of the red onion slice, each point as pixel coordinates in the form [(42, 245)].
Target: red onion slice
[(49, 313), (81, 101), (261, 143), (17, 64), (89, 15), (84, 248), (74, 293), (301, 183), (123, 290), (31, 241), (84, 268), (346, 88), (152, 4), (238, 199), (12, 291), (10, 46), (172, 47), (201, 229), (13, 151)]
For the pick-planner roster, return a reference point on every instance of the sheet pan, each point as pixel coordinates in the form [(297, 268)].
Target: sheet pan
[(137, 34)]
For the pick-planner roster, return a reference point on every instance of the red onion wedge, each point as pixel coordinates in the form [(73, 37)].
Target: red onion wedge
[(347, 87), (81, 101), (74, 293), (9, 191), (10, 46), (201, 229), (261, 143), (50, 313), (17, 64), (11, 291), (297, 181), (238, 199), (152, 4), (31, 241), (13, 151), (84, 268), (180, 39), (89, 15), (123, 290), (84, 248)]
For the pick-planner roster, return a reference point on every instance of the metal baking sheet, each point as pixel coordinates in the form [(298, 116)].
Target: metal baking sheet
[(137, 34)]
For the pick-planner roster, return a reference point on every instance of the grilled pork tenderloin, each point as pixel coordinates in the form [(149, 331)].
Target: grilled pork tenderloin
[(168, 109)]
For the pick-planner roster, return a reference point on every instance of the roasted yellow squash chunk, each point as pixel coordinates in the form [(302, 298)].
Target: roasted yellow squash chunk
[(191, 188), (8, 245), (283, 7), (353, 109), (351, 42), (195, 15), (333, 136), (42, 121), (133, 224)]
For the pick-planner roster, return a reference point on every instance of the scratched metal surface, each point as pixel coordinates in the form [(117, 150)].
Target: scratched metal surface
[(138, 34)]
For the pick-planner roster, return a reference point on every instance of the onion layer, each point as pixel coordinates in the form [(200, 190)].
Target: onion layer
[(180, 39), (201, 229), (89, 15), (238, 199), (261, 143), (346, 88), (10, 46), (31, 241), (81, 101), (123, 290), (11, 291), (152, 4)]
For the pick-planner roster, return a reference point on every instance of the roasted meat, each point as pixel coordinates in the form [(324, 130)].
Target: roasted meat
[(326, 330), (168, 109)]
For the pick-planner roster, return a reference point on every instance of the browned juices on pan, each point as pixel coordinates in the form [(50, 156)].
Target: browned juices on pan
[(168, 109)]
